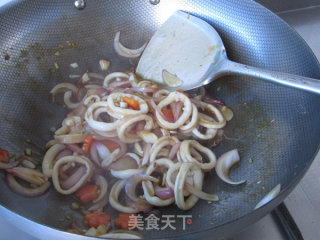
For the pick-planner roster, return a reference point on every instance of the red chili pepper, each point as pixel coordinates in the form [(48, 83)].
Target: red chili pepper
[(4, 156), (87, 143), (134, 104)]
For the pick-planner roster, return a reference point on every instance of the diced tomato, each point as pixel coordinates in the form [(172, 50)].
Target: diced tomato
[(87, 143), (4, 156), (111, 145), (168, 114), (122, 221), (96, 219), (87, 193)]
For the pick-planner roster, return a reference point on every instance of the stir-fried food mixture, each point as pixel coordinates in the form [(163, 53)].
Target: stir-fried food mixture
[(151, 140)]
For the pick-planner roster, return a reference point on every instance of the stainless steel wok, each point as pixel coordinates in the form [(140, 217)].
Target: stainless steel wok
[(277, 127)]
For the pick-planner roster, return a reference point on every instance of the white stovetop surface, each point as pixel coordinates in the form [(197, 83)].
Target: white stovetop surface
[(304, 202)]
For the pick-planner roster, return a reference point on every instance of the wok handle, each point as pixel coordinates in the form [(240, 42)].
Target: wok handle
[(282, 214), (308, 84)]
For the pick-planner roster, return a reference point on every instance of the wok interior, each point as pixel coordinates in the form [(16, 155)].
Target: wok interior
[(277, 127)]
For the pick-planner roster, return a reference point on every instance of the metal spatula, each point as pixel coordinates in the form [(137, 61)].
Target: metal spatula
[(186, 52)]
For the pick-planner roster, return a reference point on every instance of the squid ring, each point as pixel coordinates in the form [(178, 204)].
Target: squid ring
[(49, 159), (193, 122), (124, 174), (84, 178), (119, 112), (187, 157), (148, 188), (125, 122), (91, 99), (98, 126), (187, 109), (179, 186), (114, 198), (209, 122), (160, 144), (210, 133), (112, 76)]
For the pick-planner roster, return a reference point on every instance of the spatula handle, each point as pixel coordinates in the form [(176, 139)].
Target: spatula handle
[(291, 80)]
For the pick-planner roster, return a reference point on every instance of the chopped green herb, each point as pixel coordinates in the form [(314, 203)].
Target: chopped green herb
[(250, 160), (57, 53), (28, 140), (75, 206), (56, 65)]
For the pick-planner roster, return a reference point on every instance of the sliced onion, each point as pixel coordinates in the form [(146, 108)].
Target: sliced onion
[(62, 87), (63, 153), (126, 52), (74, 178), (201, 194), (146, 154), (100, 91), (164, 193), (124, 163), (29, 175), (24, 191), (115, 84), (70, 138), (148, 136), (94, 154), (132, 182), (79, 111), (10, 164), (99, 205), (102, 183), (74, 148), (226, 112), (224, 163), (141, 206), (81, 93), (271, 195), (157, 109), (174, 150), (145, 89), (103, 151), (213, 101), (95, 75), (176, 110)]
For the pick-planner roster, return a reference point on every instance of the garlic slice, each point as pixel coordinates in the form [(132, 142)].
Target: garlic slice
[(170, 79)]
